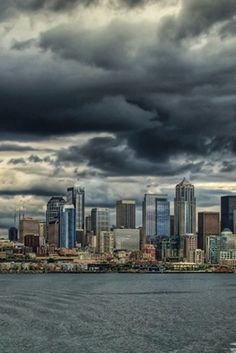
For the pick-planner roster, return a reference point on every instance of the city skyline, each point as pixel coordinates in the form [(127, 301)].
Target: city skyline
[(123, 110)]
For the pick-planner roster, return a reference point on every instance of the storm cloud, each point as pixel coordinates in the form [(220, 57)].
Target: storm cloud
[(118, 89)]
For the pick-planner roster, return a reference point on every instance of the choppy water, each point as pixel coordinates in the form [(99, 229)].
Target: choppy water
[(125, 313)]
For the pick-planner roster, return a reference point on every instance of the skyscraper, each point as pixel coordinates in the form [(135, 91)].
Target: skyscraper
[(100, 220), (28, 226), (228, 205), (125, 214), (185, 209), (208, 224), (53, 210), (67, 227), (76, 197), (156, 216)]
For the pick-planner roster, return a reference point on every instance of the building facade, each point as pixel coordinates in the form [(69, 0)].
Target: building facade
[(53, 210), (127, 239), (67, 231), (208, 224), (126, 214), (100, 220), (28, 226), (228, 205), (156, 216), (185, 208), (76, 197)]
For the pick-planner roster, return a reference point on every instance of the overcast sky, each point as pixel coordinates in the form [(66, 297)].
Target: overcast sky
[(125, 96)]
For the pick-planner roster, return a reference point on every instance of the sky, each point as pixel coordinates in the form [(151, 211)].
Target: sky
[(123, 97)]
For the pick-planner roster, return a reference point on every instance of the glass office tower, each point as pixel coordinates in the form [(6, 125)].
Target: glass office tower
[(156, 216)]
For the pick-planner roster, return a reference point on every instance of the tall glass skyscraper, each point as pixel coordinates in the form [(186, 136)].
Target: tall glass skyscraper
[(76, 197), (100, 220), (228, 205), (67, 231), (185, 209), (156, 216), (53, 210)]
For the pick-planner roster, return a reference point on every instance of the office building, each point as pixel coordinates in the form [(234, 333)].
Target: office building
[(67, 231), (156, 217), (230, 239), (208, 224), (172, 225), (28, 226), (100, 220), (53, 233), (76, 197), (228, 205), (32, 241), (188, 245), (13, 234), (127, 239), (125, 214), (214, 245), (105, 242), (185, 208), (53, 210)]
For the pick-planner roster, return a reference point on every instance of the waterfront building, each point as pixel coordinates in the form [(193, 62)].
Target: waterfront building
[(214, 245), (230, 238), (28, 226), (168, 249), (185, 208), (67, 231), (125, 214), (76, 197), (53, 210), (100, 220), (13, 234), (188, 245), (208, 224), (127, 239), (156, 217), (32, 241), (228, 205)]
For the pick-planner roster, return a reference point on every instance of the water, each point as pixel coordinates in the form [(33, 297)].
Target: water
[(125, 313)]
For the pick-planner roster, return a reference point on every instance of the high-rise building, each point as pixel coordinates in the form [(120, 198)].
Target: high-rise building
[(125, 214), (28, 226), (172, 225), (185, 209), (156, 216), (100, 220), (105, 242), (67, 227), (53, 210), (76, 197), (13, 234), (53, 233), (228, 205), (188, 245), (208, 224)]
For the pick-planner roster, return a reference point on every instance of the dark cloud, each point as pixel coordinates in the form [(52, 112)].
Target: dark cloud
[(162, 91), (5, 147), (17, 161), (33, 191), (113, 157), (11, 8)]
